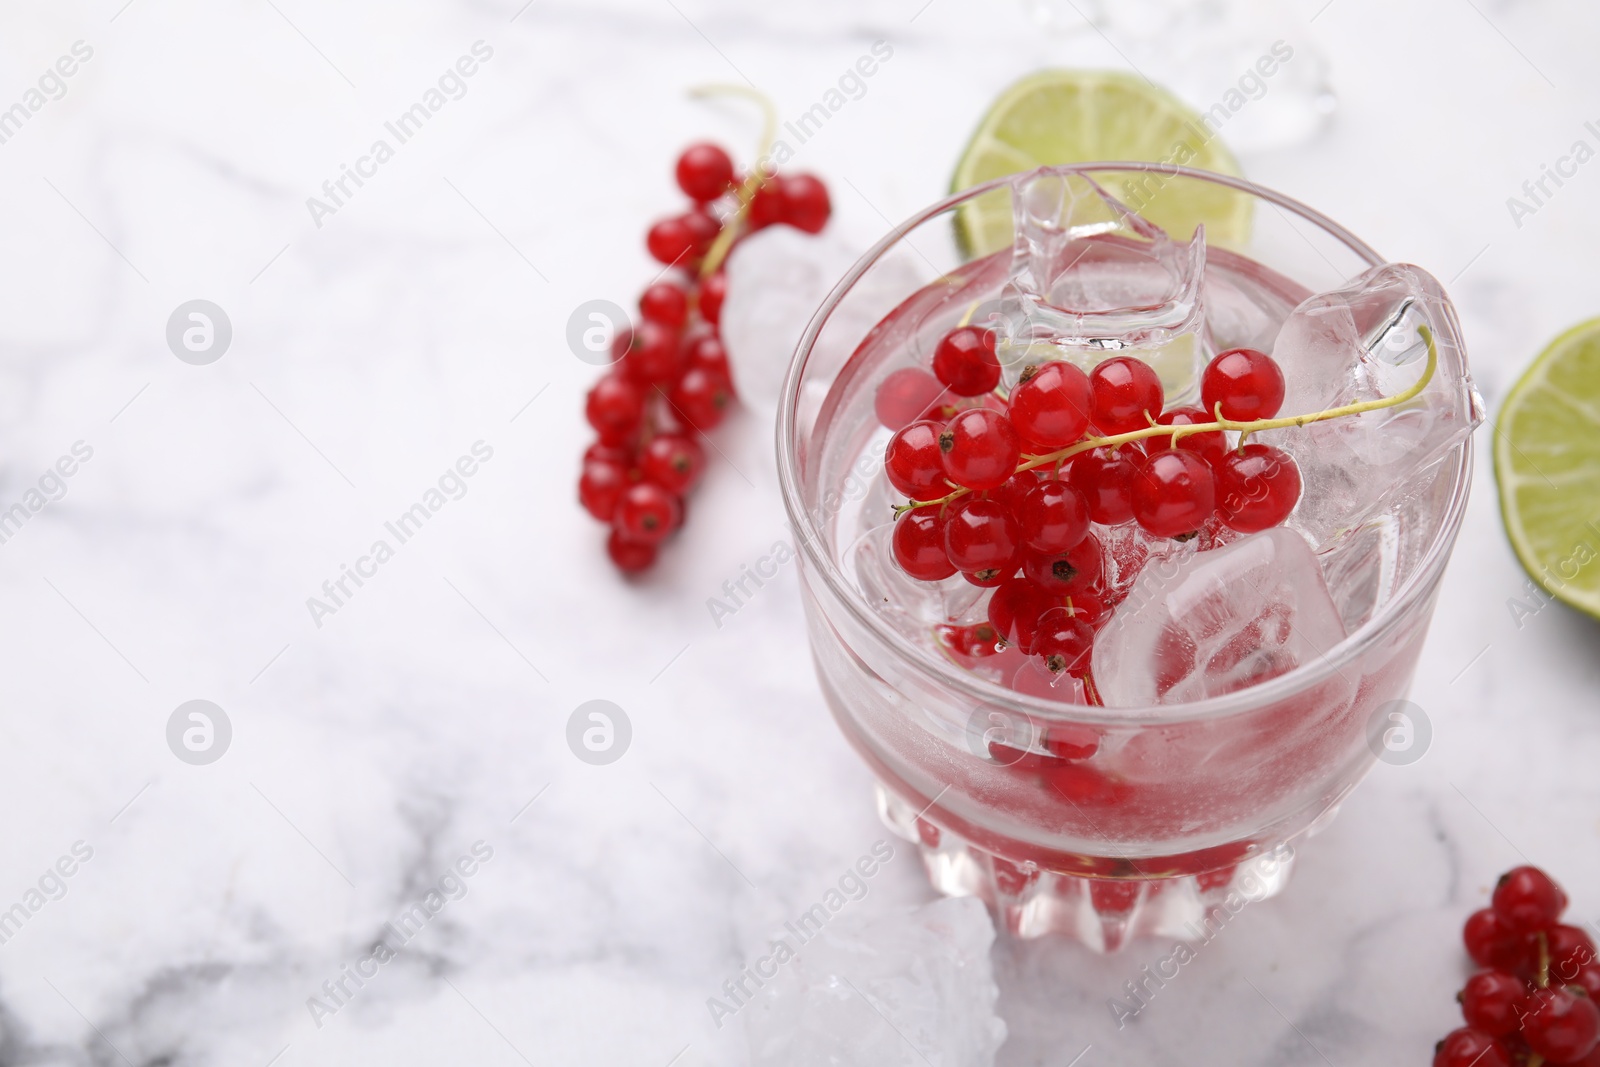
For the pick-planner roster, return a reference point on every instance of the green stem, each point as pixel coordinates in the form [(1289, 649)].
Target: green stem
[(1245, 428)]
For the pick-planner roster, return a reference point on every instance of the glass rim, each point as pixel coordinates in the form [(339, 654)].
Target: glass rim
[(1420, 584)]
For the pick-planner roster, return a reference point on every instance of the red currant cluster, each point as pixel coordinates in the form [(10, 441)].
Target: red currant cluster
[(1537, 1002), (1007, 488), (670, 380)]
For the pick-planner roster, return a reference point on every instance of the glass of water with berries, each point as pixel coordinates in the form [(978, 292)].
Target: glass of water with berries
[(1123, 494)]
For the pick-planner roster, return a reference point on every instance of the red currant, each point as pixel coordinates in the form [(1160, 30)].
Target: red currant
[(980, 537), (1072, 742), (600, 487), (805, 203), (703, 228), (614, 408), (653, 356), (1491, 942), (768, 205), (647, 513), (704, 172), (1212, 445), (1588, 979), (1050, 406), (701, 397), (671, 241), (1470, 1048), (1051, 516), (918, 545), (706, 352), (965, 360), (979, 449), (1493, 1001), (1125, 394), (1174, 493), (1257, 487), (1105, 478), (1561, 1025), (1080, 569), (713, 290), (666, 304), (673, 461), (904, 396), (1528, 900), (1015, 611), (1569, 949), (913, 462), (1248, 384), (620, 454), (629, 556), (1065, 641)]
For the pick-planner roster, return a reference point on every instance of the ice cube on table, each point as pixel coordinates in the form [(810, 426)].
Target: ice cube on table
[(1358, 343), (912, 988), (1216, 622)]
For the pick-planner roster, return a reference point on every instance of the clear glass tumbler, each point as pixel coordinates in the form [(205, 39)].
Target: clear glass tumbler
[(1098, 823)]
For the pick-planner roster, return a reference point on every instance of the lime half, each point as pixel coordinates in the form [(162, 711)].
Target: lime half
[(1070, 116), (1547, 461)]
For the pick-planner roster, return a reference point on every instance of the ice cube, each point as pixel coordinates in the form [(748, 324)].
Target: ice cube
[(1215, 622), (1092, 279), (1360, 343), (777, 279), (913, 988)]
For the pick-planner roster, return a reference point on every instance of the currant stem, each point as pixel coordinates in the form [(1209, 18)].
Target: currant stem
[(758, 175), (1544, 959), (1245, 428)]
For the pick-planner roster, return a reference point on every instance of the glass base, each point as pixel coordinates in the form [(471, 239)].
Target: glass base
[(1030, 901)]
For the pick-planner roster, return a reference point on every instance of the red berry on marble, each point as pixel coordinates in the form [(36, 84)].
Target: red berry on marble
[(1051, 516), (1212, 445), (1494, 1001), (1125, 395), (981, 537), (1050, 406), (1562, 1025), (1491, 942), (673, 461), (671, 241), (704, 172), (601, 486), (1528, 900), (979, 449), (647, 513), (713, 291), (1257, 487), (1246, 383), (629, 556), (965, 361), (913, 462), (918, 545), (1174, 493), (614, 408), (1471, 1048), (653, 355), (806, 206), (1105, 478), (701, 397), (666, 304)]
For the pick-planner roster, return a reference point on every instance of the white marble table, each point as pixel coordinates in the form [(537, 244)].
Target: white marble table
[(373, 752)]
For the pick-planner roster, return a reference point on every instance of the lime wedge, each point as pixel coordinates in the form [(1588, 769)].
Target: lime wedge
[(1072, 116), (1547, 461)]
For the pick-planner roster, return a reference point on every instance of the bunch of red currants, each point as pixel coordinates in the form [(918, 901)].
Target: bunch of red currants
[(1007, 488), (670, 380), (1537, 1001)]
